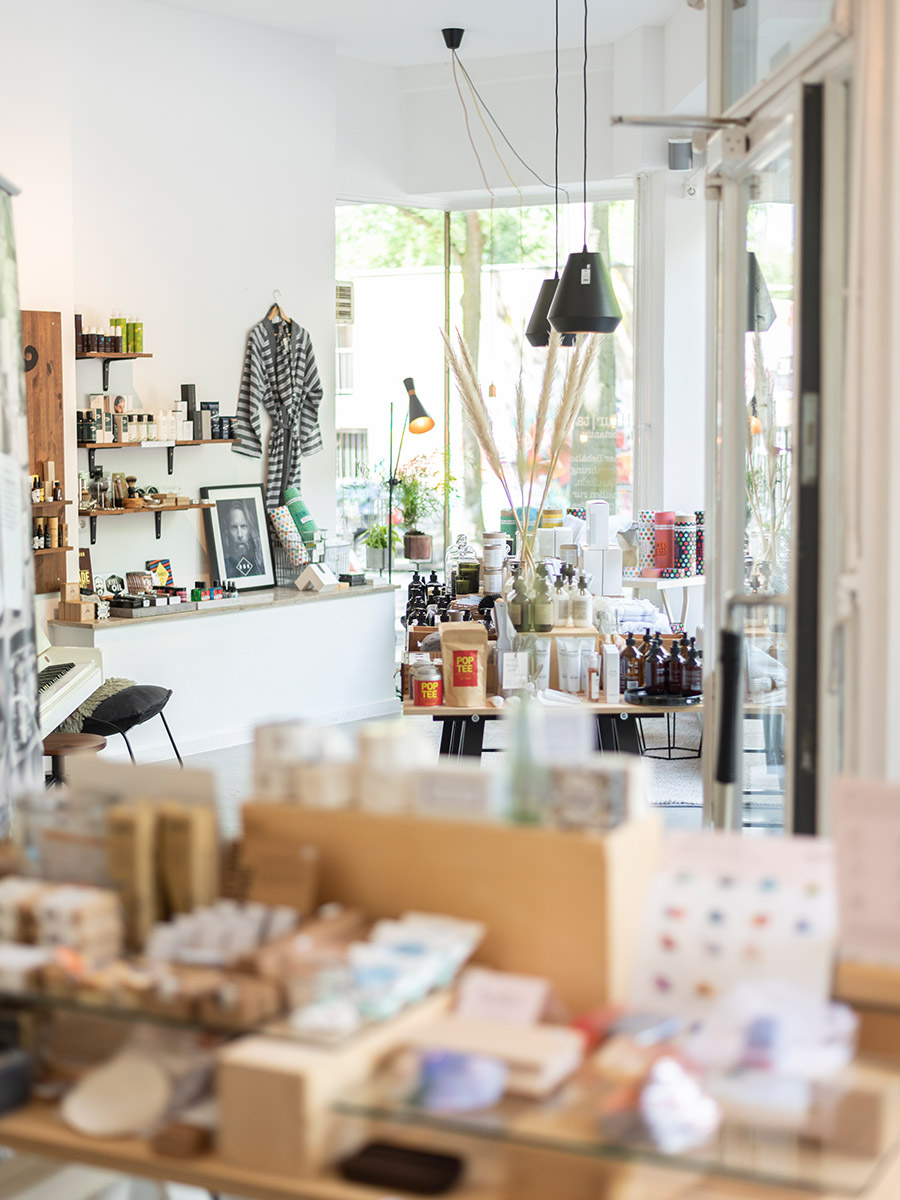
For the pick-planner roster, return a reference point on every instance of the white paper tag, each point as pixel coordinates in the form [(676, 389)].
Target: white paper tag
[(586, 275), (499, 996), (514, 669)]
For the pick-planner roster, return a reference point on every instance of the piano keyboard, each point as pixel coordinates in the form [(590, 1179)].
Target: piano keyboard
[(47, 676)]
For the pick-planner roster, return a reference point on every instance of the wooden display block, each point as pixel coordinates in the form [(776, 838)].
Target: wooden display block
[(83, 611), (874, 991), (275, 1097), (563, 905)]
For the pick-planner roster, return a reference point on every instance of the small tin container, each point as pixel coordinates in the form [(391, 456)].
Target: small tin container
[(427, 685)]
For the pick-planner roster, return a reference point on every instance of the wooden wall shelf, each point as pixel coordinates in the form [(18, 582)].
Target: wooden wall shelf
[(93, 513), (109, 354), (48, 506), (169, 447), (54, 550), (106, 357)]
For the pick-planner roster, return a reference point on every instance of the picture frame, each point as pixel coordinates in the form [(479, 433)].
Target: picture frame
[(237, 535)]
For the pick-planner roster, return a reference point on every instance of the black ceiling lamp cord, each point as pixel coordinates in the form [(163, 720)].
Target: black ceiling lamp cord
[(538, 329), (585, 116), (556, 146), (584, 300)]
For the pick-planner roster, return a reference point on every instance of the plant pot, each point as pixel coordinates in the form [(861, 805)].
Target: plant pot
[(376, 558), (417, 547)]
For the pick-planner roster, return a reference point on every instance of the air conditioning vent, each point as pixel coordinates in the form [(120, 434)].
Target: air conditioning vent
[(343, 303)]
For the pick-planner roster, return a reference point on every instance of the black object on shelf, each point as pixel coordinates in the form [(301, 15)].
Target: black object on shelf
[(385, 1165)]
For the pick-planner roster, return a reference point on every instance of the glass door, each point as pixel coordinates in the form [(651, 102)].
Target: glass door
[(763, 690)]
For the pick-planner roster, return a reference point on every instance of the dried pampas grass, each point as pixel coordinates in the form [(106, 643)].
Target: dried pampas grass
[(561, 421)]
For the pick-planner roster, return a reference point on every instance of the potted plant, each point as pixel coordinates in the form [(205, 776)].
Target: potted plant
[(376, 542), (417, 491)]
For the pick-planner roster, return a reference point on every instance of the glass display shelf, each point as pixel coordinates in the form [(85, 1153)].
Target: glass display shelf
[(226, 1023), (568, 1122)]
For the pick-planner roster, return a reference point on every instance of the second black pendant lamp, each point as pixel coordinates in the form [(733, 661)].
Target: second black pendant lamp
[(585, 301)]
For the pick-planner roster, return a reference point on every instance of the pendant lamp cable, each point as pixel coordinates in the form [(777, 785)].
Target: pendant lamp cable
[(584, 86), (498, 127), (556, 147), (469, 128)]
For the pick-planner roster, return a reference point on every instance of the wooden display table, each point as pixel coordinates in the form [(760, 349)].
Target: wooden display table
[(463, 728)]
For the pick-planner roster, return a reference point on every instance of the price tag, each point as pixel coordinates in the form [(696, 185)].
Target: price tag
[(500, 996)]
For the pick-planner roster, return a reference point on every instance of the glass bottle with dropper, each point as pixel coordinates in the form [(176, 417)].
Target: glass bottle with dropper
[(561, 608), (543, 601), (629, 667)]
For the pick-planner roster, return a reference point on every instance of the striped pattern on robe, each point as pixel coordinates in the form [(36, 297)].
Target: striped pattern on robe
[(280, 375)]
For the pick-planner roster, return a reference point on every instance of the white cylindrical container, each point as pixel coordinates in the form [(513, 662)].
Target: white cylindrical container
[(494, 551), (492, 582), (598, 524)]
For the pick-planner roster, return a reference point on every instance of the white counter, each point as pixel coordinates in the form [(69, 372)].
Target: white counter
[(276, 654)]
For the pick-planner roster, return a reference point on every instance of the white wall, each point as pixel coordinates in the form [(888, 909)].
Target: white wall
[(371, 132), (181, 166)]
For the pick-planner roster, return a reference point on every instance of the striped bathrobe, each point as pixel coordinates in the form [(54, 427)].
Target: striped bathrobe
[(280, 375)]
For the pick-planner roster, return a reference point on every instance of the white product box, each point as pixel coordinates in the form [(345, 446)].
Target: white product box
[(610, 655), (598, 524)]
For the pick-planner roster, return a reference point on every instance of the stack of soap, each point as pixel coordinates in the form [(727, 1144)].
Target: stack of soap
[(86, 919), (18, 904)]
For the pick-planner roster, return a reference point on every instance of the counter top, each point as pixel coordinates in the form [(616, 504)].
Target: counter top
[(267, 598)]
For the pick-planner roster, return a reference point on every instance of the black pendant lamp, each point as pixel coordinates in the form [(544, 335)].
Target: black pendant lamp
[(585, 301), (538, 329)]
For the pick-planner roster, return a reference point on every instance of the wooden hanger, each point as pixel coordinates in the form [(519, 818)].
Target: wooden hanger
[(276, 312)]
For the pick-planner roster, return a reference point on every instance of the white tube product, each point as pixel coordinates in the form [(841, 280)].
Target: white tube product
[(611, 682), (542, 662), (598, 524), (568, 654)]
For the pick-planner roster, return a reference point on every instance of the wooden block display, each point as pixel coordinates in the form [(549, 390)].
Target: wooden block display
[(563, 905), (85, 610)]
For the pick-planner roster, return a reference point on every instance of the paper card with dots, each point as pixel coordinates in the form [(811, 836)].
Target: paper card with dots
[(867, 841), (724, 909)]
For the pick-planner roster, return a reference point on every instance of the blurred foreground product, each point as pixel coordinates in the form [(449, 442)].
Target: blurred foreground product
[(401, 1168), (389, 751), (538, 1057), (189, 855)]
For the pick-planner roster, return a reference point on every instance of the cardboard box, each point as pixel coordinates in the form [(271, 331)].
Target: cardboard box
[(188, 855), (131, 859)]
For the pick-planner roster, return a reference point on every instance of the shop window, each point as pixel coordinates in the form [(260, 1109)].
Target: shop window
[(394, 258)]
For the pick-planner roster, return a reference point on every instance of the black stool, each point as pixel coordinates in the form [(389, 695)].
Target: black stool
[(131, 706)]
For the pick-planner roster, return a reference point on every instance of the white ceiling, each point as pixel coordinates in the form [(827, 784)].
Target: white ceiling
[(408, 32)]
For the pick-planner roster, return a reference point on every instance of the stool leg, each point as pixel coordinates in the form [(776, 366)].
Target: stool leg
[(162, 717)]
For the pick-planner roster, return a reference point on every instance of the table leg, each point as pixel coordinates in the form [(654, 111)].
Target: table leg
[(664, 596), (446, 734), (471, 736), (685, 597), (606, 733), (627, 734)]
